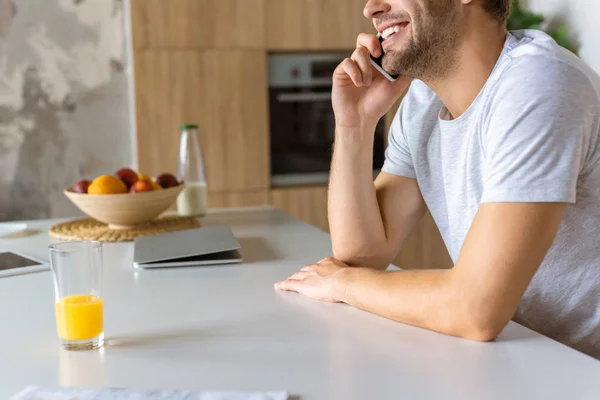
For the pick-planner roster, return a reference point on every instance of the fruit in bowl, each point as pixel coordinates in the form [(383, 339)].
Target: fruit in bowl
[(107, 184), (82, 186), (125, 199), (128, 176), (167, 180), (141, 186)]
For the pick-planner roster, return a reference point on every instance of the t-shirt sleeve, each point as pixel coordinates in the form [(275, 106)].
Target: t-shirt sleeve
[(536, 134), (398, 160)]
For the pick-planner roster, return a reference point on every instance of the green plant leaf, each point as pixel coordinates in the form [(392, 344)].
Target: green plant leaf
[(523, 19)]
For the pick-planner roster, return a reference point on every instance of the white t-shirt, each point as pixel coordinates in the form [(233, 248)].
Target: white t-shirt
[(531, 135)]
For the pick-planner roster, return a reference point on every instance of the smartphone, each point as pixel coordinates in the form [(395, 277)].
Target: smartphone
[(12, 263), (377, 63)]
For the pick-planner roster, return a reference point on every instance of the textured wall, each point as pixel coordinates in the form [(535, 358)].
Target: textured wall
[(581, 16), (64, 100)]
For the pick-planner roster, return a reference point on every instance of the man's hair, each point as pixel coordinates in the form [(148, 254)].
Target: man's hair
[(500, 9)]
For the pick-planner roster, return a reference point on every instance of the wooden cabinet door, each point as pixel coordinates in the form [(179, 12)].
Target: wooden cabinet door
[(168, 93), (224, 92), (238, 199), (424, 248), (308, 204), (314, 24), (197, 23)]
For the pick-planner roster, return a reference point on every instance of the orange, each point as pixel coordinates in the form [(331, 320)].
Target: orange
[(156, 186), (107, 184)]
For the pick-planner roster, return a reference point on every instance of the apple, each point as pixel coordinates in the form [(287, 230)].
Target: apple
[(167, 180), (128, 176), (81, 186), (141, 186)]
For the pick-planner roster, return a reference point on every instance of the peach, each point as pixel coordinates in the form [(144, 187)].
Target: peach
[(81, 186), (128, 176), (167, 180), (141, 186)]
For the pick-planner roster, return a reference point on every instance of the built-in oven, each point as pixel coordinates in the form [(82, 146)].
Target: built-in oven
[(301, 118)]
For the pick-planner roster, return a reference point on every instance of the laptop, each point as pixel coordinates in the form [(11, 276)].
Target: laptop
[(212, 245)]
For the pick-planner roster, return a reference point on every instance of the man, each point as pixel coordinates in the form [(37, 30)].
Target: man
[(498, 136)]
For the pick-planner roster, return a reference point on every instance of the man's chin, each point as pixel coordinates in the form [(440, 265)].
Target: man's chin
[(391, 62)]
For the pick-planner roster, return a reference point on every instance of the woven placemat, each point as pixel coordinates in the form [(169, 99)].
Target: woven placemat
[(90, 229)]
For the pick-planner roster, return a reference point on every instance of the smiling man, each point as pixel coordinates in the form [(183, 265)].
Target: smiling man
[(498, 136)]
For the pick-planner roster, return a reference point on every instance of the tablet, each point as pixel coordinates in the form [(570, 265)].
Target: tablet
[(12, 263)]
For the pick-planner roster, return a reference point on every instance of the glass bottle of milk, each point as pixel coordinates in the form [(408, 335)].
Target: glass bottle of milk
[(192, 200)]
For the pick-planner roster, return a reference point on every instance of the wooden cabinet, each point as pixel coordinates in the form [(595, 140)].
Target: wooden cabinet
[(238, 199), (274, 24), (314, 24), (424, 248), (168, 93), (224, 92), (236, 120), (308, 204), (198, 23)]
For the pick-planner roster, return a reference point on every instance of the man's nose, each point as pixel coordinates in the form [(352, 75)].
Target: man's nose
[(375, 8)]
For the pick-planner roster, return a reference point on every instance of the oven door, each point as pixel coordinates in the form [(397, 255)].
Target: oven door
[(302, 134)]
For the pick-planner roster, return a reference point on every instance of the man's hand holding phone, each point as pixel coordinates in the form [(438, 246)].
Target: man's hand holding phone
[(361, 95)]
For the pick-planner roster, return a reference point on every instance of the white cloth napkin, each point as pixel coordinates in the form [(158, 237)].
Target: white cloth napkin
[(35, 393)]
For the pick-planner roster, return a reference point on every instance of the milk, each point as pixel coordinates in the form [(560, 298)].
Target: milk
[(192, 200)]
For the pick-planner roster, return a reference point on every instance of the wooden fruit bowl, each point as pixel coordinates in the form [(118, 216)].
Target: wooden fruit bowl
[(127, 210)]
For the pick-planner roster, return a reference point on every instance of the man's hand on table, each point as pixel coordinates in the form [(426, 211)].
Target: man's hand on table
[(320, 281), (475, 300)]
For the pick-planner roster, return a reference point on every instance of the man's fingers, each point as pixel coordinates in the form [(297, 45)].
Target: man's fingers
[(350, 68), (362, 59), (309, 268), (298, 276), (370, 42), (326, 259), (289, 285)]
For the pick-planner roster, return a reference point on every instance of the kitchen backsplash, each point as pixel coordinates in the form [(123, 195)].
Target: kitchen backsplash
[(64, 100)]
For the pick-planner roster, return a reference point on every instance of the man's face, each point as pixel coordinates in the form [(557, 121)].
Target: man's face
[(420, 36)]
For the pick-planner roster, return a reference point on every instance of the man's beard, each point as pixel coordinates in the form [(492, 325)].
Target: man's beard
[(432, 51)]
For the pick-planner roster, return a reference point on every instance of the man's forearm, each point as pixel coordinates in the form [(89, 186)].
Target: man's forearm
[(354, 217), (426, 298)]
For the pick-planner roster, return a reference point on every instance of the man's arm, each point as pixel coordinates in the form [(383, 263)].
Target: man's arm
[(504, 248), (368, 222)]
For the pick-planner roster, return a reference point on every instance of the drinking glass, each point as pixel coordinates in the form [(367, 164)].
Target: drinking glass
[(77, 270)]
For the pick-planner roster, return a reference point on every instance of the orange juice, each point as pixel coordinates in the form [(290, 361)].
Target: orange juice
[(79, 317)]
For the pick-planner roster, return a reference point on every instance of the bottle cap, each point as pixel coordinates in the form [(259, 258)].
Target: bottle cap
[(188, 126)]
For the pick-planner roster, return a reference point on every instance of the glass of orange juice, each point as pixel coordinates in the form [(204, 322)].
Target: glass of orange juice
[(77, 270)]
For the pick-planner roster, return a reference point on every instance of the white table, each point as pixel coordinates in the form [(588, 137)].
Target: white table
[(225, 328)]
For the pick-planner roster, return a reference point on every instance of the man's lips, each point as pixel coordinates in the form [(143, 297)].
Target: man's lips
[(393, 32), (383, 27)]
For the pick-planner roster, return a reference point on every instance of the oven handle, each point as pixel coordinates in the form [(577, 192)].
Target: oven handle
[(303, 97)]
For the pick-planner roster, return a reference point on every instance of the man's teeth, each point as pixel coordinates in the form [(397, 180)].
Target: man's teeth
[(390, 31)]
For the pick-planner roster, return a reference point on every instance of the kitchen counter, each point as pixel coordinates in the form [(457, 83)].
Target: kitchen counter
[(226, 328)]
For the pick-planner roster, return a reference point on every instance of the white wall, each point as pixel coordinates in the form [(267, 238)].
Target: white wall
[(582, 18)]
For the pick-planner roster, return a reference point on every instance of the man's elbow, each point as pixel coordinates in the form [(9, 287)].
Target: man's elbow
[(483, 328), (360, 257), (484, 333)]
